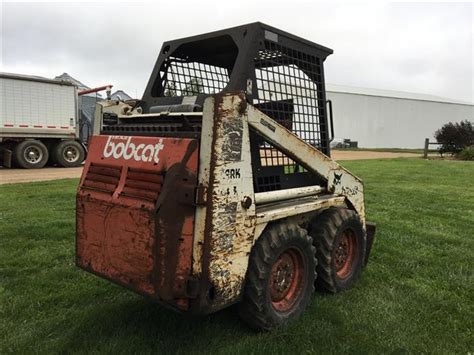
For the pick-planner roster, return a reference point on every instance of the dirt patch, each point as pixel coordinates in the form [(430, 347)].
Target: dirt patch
[(9, 176), (365, 154)]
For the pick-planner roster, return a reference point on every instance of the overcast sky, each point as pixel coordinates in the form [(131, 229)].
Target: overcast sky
[(424, 47)]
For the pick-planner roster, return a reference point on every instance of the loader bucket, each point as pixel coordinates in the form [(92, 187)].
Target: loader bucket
[(135, 214)]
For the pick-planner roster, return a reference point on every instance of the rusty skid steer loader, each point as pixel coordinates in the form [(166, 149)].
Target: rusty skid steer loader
[(218, 187)]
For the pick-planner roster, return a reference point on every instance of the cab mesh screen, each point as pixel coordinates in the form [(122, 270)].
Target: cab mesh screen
[(289, 84), (183, 78)]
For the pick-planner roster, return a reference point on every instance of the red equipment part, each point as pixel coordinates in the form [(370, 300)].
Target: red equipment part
[(90, 91), (123, 234)]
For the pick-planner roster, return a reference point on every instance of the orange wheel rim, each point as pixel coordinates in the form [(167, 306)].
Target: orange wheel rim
[(287, 279), (345, 254)]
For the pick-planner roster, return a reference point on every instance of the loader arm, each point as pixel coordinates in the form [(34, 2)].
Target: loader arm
[(338, 179)]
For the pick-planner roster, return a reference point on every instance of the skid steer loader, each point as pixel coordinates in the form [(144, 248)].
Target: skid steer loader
[(217, 187)]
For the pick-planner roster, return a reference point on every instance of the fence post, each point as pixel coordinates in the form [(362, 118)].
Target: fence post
[(425, 152)]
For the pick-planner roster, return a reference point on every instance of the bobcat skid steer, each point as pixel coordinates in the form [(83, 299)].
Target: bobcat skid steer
[(217, 187)]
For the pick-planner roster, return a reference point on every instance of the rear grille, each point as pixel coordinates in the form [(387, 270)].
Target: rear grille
[(161, 130), (143, 185), (102, 178)]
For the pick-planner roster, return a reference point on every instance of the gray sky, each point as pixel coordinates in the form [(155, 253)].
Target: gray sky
[(417, 47)]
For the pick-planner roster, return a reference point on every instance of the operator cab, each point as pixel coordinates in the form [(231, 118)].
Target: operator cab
[(281, 74)]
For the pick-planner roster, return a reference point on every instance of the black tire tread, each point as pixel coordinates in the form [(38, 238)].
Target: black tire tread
[(323, 231), (18, 154), (57, 154), (253, 309)]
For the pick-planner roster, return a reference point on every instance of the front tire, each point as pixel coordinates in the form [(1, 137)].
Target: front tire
[(280, 277), (341, 245), (30, 154), (68, 153)]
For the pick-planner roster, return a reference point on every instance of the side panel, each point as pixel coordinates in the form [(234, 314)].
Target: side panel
[(135, 214), (225, 224), (31, 105), (10, 131)]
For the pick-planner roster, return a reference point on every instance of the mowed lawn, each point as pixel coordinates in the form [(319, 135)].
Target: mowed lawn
[(416, 294)]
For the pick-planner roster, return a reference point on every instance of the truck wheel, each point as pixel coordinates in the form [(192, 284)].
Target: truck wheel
[(69, 153), (280, 277), (340, 242), (30, 154)]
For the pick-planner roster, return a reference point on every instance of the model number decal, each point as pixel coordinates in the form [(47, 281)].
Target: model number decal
[(232, 173), (350, 191), (121, 147)]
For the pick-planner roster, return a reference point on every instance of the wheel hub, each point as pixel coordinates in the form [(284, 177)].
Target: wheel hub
[(71, 154), (286, 279), (282, 275), (345, 254), (33, 155)]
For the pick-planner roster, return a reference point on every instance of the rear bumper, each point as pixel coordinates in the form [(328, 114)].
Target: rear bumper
[(370, 227)]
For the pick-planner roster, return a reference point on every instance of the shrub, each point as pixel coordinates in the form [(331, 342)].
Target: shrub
[(454, 137), (467, 153)]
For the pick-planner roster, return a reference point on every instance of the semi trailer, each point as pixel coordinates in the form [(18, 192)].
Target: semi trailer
[(38, 122), (217, 187)]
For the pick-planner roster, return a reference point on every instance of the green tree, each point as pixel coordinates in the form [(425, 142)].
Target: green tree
[(193, 87), (170, 89), (454, 137)]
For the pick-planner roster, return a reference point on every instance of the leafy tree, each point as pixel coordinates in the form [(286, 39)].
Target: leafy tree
[(454, 137), (193, 87), (467, 153), (170, 89)]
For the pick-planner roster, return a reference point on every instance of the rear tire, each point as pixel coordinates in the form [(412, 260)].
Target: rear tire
[(341, 245), (30, 154), (68, 153), (280, 277)]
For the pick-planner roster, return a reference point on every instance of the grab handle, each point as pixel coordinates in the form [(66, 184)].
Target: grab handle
[(331, 120)]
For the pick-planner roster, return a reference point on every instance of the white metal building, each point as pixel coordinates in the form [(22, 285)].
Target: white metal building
[(391, 119)]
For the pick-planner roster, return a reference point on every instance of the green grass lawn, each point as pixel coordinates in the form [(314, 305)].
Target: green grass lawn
[(416, 294)]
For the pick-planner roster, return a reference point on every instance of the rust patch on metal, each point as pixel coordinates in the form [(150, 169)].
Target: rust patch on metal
[(227, 218), (228, 231), (118, 253), (174, 230), (232, 140), (201, 305), (242, 106)]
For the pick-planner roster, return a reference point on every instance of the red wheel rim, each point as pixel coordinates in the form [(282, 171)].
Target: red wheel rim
[(345, 254), (287, 279)]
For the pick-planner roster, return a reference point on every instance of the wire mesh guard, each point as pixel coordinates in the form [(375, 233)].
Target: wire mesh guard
[(289, 88), (289, 85), (183, 78), (289, 91)]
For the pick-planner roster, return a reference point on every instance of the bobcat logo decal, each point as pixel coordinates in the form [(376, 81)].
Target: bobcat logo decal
[(337, 179)]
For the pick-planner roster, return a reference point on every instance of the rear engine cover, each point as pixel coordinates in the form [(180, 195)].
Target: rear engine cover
[(135, 214)]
